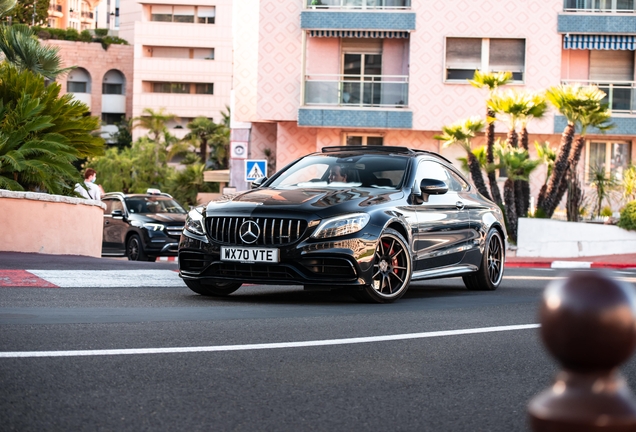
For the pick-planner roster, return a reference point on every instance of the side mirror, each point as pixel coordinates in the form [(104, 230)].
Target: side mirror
[(117, 214), (258, 182), (433, 187)]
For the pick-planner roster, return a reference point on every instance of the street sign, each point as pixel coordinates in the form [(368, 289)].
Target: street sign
[(255, 168), (238, 150)]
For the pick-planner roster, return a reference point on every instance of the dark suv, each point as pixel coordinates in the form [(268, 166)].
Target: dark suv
[(141, 226)]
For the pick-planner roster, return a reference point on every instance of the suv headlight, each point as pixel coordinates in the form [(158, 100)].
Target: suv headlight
[(341, 225), (154, 226), (194, 221)]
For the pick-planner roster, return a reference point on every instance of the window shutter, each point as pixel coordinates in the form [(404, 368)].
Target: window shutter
[(507, 55), (611, 65), (184, 10), (463, 53), (362, 46), (161, 10), (206, 11)]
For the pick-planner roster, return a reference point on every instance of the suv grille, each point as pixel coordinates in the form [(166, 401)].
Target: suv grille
[(273, 231)]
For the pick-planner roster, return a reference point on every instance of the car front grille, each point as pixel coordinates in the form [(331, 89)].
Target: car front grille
[(174, 230), (273, 231), (252, 271), (329, 267)]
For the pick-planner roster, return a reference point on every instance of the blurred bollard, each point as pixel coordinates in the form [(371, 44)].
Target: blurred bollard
[(588, 322)]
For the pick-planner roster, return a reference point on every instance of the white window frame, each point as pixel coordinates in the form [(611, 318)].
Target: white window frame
[(364, 136), (485, 58), (608, 155)]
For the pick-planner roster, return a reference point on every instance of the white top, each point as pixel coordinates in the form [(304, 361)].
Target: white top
[(93, 191)]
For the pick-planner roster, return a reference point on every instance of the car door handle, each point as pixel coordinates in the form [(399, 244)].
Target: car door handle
[(459, 205)]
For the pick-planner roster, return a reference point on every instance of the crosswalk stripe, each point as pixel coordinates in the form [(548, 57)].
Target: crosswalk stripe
[(110, 278)]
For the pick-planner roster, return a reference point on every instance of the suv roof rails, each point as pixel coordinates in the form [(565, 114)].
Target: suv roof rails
[(384, 149)]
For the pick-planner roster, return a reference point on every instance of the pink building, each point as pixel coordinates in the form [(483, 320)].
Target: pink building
[(393, 72), (182, 57)]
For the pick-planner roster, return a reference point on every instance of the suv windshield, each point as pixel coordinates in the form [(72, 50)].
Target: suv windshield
[(352, 170), (152, 204)]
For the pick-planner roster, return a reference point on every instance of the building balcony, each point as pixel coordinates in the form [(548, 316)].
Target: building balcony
[(55, 10), (362, 19), (356, 91), (86, 17), (600, 6), (359, 4), (620, 95)]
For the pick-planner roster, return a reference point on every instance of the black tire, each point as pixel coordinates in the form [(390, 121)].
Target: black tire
[(213, 289), (392, 269), (490, 273), (135, 249)]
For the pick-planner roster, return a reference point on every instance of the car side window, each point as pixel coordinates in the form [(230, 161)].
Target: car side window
[(459, 183), (118, 205), (109, 205), (434, 170)]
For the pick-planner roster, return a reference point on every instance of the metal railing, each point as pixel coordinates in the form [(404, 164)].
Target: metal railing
[(620, 95), (600, 6), (357, 90), (88, 15), (359, 4)]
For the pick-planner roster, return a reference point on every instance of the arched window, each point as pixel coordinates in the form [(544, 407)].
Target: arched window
[(114, 83), (78, 81)]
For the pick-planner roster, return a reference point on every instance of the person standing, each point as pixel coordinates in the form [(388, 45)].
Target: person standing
[(89, 189)]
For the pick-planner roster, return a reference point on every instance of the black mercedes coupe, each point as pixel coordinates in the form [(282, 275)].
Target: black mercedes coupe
[(369, 219)]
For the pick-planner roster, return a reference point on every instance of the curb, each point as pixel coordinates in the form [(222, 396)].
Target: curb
[(568, 264), (164, 258)]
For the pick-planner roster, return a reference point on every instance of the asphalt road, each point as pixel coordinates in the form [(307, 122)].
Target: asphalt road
[(269, 358)]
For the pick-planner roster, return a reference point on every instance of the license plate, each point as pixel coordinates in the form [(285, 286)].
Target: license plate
[(249, 255)]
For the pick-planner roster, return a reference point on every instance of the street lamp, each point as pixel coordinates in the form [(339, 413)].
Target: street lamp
[(35, 5)]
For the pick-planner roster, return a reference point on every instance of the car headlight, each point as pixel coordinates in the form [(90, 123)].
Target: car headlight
[(194, 221), (154, 227), (341, 225)]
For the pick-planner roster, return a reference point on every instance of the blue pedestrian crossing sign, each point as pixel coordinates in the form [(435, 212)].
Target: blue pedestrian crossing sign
[(255, 168)]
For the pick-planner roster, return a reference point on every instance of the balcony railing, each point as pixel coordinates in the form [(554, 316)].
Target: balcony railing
[(87, 15), (620, 95), (359, 4), (55, 8), (600, 6), (357, 91)]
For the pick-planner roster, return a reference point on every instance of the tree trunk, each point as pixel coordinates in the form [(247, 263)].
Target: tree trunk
[(490, 158), (510, 208), (203, 150), (512, 139), (475, 173), (525, 185), (575, 195), (547, 201), (519, 204)]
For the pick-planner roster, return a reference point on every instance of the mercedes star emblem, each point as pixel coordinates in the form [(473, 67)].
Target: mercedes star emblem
[(249, 232)]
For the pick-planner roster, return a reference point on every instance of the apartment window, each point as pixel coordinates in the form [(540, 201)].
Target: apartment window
[(600, 5), (204, 88), (466, 55), (166, 87), (76, 87), (613, 72), (182, 14), (610, 156), (112, 118), (115, 89), (365, 139), (206, 14), (203, 53)]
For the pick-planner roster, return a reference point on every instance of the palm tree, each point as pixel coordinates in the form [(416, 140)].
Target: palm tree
[(572, 101), (536, 108), (597, 116), (154, 122), (202, 130), (461, 133), (24, 51), (491, 80), (518, 165), (6, 6)]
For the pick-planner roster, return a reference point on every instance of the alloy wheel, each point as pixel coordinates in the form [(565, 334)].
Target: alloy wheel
[(133, 249), (391, 270), (495, 259)]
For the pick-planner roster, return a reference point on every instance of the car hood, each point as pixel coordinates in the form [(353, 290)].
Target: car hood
[(163, 218), (306, 200)]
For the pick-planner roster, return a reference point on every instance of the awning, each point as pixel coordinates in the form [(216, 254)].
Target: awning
[(599, 42), (359, 34)]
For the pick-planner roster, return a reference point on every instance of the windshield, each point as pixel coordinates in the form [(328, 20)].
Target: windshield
[(374, 171), (144, 205)]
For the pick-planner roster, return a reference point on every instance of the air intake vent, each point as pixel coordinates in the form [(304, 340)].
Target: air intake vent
[(272, 231)]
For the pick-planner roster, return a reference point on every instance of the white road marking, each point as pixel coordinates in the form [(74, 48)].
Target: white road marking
[(302, 344), (626, 279), (571, 264), (110, 278)]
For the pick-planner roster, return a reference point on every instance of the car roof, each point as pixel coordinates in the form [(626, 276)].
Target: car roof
[(406, 151), (123, 195)]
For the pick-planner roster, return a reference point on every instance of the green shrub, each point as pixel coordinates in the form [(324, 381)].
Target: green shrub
[(43, 34), (628, 217), (606, 211), (85, 36), (71, 34), (101, 32)]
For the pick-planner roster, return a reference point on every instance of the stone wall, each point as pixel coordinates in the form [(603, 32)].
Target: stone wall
[(50, 224)]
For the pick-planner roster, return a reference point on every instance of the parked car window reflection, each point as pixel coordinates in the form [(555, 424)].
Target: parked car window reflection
[(153, 205)]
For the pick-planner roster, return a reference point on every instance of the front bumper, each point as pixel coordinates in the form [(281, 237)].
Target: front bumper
[(345, 261)]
